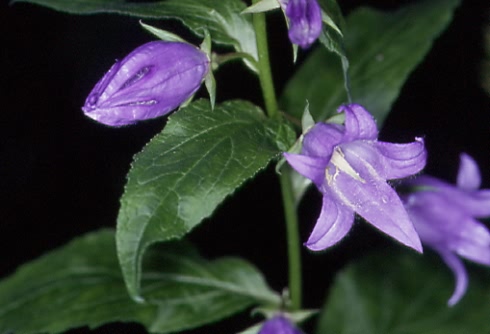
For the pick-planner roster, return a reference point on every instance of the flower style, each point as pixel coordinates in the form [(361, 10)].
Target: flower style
[(350, 168), (305, 21), (150, 82), (279, 325), (444, 216)]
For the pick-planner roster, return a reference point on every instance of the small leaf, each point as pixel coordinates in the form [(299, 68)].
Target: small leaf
[(383, 49), (307, 121), (332, 10), (163, 34), (209, 81), (185, 172), (80, 284), (262, 6), (332, 39), (221, 18), (393, 293), (252, 330)]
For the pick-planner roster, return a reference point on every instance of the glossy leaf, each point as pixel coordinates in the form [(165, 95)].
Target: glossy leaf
[(394, 293), (383, 49), (81, 284), (185, 172), (221, 18)]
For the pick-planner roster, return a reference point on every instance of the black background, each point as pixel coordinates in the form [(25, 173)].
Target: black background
[(61, 174)]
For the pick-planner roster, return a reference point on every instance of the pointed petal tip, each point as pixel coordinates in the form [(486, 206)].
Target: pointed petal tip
[(453, 300), (457, 267), (414, 244), (469, 176)]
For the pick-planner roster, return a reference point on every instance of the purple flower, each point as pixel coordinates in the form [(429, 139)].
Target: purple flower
[(305, 21), (444, 216), (279, 325), (350, 168), (150, 82)]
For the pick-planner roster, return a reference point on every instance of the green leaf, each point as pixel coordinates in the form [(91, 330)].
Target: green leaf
[(163, 34), (334, 42), (404, 294), (333, 39), (81, 284), (221, 18), (185, 172), (383, 49), (332, 10), (262, 6)]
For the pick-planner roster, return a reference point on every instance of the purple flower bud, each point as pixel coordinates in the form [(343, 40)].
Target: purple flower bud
[(150, 82), (279, 325), (305, 21)]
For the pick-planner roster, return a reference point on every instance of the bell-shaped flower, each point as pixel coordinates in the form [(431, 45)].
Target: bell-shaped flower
[(304, 20), (151, 81), (350, 167), (279, 325), (445, 215)]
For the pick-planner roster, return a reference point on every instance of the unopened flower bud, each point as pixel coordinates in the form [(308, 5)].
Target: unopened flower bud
[(151, 81), (305, 21)]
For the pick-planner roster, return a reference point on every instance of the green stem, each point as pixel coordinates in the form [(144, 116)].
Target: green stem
[(265, 75), (294, 249), (290, 215)]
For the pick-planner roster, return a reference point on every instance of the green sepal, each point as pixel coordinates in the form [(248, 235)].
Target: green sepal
[(163, 34), (209, 80), (262, 6)]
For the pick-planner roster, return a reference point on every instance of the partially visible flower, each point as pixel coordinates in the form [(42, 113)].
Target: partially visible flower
[(150, 82), (444, 216), (350, 168), (305, 21), (279, 325)]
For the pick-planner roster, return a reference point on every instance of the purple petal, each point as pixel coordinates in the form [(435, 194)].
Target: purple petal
[(442, 222), (359, 123), (333, 224), (368, 194), (279, 325), (305, 22), (473, 203), (401, 160), (321, 140), (312, 168), (473, 242), (459, 271), (469, 174), (476, 203), (151, 81)]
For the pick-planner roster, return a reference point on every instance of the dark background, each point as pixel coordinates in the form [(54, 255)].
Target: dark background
[(61, 174)]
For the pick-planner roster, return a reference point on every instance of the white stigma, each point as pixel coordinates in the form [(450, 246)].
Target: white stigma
[(342, 165)]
